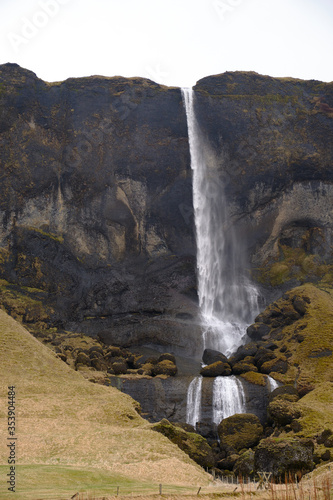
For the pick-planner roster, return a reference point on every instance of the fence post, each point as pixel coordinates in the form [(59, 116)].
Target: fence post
[(160, 489), (117, 490)]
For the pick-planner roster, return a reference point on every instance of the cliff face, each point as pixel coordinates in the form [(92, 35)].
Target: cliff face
[(273, 144), (95, 203), (96, 192)]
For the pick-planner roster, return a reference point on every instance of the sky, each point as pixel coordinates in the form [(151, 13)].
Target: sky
[(173, 42)]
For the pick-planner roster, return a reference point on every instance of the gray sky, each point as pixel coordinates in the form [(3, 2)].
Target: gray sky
[(174, 42)]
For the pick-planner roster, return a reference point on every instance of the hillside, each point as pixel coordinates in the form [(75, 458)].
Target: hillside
[(71, 431)]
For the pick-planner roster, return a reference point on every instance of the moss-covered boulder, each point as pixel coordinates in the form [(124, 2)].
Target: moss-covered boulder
[(165, 367), (191, 443), (240, 431), (282, 412), (119, 367), (228, 462), (216, 369), (167, 356), (284, 456), (244, 466), (243, 367)]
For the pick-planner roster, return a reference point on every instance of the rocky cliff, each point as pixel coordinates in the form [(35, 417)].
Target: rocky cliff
[(272, 139), (95, 204), (96, 194)]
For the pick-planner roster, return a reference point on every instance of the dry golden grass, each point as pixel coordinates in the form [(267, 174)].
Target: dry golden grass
[(65, 421)]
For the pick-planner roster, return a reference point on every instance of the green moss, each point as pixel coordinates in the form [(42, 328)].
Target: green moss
[(254, 378), (294, 264)]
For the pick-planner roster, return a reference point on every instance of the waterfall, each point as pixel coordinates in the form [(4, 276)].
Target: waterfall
[(228, 398), (273, 384), (227, 300), (193, 403)]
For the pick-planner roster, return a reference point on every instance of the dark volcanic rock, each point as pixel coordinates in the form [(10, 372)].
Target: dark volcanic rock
[(210, 356), (284, 456)]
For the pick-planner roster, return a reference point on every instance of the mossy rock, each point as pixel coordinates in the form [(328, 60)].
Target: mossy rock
[(165, 367), (167, 356), (216, 369), (243, 367), (255, 378), (244, 466), (283, 412), (240, 431), (228, 462), (119, 367), (277, 365), (191, 443), (83, 359), (284, 456)]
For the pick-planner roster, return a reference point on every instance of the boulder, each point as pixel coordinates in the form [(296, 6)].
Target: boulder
[(83, 359), (167, 356), (165, 367), (191, 443), (99, 364), (284, 456), (244, 466), (216, 369), (243, 367), (258, 330), (228, 462), (282, 412), (119, 367), (278, 365), (240, 431), (210, 356), (242, 352)]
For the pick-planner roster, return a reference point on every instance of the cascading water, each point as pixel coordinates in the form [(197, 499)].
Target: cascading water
[(228, 302), (273, 384), (226, 400), (193, 403)]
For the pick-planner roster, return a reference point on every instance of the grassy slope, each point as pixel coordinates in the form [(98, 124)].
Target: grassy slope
[(317, 329), (67, 422)]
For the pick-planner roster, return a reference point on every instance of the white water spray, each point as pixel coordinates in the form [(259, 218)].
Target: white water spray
[(193, 403), (228, 398)]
